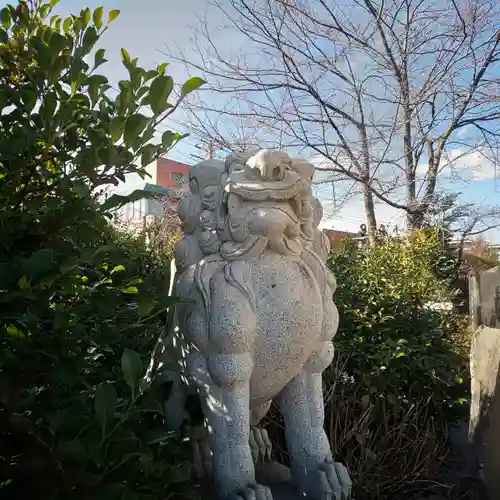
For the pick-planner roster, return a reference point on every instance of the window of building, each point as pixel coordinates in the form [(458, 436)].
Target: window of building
[(179, 178)]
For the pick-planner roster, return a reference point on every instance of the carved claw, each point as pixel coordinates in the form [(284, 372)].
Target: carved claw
[(255, 492), (260, 444), (331, 483)]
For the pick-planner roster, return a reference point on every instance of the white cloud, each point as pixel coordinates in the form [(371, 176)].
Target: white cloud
[(352, 214), (346, 212), (343, 203), (465, 165), (475, 164)]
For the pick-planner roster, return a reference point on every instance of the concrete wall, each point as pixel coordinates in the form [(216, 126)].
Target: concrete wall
[(484, 289), (484, 424)]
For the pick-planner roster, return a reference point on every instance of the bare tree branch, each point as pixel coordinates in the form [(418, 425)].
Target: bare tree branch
[(371, 87)]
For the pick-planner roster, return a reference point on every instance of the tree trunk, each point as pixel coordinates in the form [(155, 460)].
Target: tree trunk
[(371, 220), (416, 219)]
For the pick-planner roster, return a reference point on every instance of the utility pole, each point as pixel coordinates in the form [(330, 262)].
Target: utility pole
[(209, 148)]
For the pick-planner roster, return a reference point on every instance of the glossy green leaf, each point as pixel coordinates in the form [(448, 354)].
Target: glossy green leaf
[(73, 450), (117, 200), (61, 320), (134, 126), (97, 17), (67, 25), (99, 58), (14, 332), (85, 17), (95, 85), (159, 91), (40, 263), (113, 14), (5, 17), (48, 106), (125, 56), (105, 401), (124, 100), (161, 68), (148, 154), (132, 368), (57, 43), (117, 126), (169, 138), (192, 84), (131, 290), (150, 74), (146, 305), (90, 37)]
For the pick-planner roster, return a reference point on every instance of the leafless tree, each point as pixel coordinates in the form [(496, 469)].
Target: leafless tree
[(387, 94), (474, 225), (464, 223)]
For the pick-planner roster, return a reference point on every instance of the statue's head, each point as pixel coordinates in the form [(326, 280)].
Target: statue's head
[(262, 196), (266, 194)]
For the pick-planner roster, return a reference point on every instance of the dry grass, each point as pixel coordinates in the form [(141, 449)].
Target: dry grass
[(389, 453), (392, 451)]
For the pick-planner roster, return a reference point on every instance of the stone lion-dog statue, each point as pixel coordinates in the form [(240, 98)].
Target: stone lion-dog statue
[(257, 319)]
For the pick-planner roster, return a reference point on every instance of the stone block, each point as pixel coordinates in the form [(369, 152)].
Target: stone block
[(484, 425)]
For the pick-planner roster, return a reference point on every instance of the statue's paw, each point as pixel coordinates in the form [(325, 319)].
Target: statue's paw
[(331, 483), (255, 492), (260, 444)]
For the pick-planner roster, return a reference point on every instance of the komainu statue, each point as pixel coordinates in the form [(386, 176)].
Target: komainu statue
[(257, 318)]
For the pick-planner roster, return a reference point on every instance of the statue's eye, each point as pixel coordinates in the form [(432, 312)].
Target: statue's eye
[(256, 172), (278, 173)]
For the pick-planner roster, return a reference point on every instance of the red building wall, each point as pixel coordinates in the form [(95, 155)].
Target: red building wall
[(170, 172), (336, 237)]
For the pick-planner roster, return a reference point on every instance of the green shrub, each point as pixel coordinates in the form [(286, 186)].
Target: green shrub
[(400, 375), (395, 343), (81, 304)]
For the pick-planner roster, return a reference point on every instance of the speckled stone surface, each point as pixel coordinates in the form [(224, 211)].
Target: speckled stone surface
[(258, 318), (274, 475)]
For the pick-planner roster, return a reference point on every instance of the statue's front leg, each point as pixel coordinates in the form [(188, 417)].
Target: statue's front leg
[(228, 419), (314, 471), (226, 398)]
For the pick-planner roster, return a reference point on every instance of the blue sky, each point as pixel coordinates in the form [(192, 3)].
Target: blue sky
[(149, 27)]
